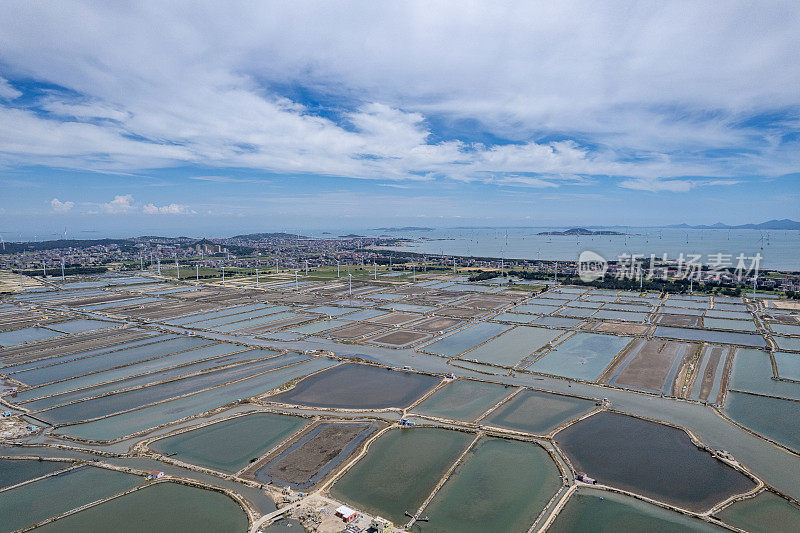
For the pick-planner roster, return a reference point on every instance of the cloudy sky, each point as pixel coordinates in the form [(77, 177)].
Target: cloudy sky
[(210, 118)]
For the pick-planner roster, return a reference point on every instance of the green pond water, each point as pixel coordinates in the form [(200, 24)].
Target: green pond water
[(40, 500), (596, 511), (228, 446), (537, 412), (771, 417), (765, 512), (500, 485), (463, 400), (163, 507), (511, 347), (132, 422), (13, 471), (400, 470), (582, 356)]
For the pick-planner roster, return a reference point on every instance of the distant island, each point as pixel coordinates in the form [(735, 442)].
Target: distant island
[(783, 224), (581, 231), (406, 228)]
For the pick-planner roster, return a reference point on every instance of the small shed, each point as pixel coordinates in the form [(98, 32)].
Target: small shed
[(345, 513)]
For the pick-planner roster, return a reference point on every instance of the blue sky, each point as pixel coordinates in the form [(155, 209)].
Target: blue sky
[(213, 119)]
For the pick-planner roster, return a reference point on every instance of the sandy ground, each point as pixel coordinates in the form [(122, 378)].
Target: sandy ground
[(10, 282)]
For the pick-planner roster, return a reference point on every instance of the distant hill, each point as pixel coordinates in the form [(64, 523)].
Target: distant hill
[(783, 224), (581, 231), (406, 228), (263, 236)]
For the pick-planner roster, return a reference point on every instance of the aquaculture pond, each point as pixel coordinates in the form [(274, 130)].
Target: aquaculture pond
[(774, 418), (122, 401), (230, 445), (115, 345), (463, 340), (728, 323), (725, 337), (599, 511), (120, 373), (18, 336), (81, 325), (31, 503), (787, 343), (499, 485), (320, 326), (788, 365), (400, 470), (512, 346), (66, 397), (537, 308), (315, 454), (752, 372), (160, 507), (785, 329), (765, 512), (463, 400), (651, 459), (353, 386), (518, 318), (537, 412), (582, 356), (13, 471), (109, 360), (120, 425)]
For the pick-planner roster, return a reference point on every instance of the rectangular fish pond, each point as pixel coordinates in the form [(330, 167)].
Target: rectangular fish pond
[(400, 470), (463, 400), (512, 346), (724, 337), (537, 412), (120, 425), (499, 485), (34, 502), (230, 445), (591, 510), (162, 506), (765, 512), (461, 341), (307, 461), (582, 356)]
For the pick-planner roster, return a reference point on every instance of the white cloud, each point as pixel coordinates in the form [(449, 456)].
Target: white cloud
[(121, 204), (171, 209), (7, 91), (651, 89), (61, 207)]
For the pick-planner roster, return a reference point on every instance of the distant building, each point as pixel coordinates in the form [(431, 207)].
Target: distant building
[(346, 514), (156, 474)]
